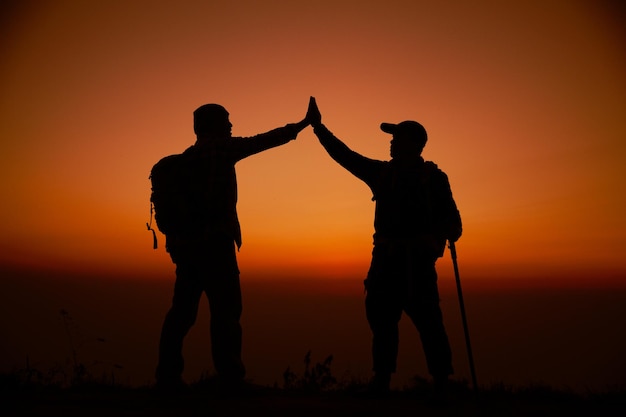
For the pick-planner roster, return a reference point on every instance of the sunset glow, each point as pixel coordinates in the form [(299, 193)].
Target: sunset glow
[(524, 105)]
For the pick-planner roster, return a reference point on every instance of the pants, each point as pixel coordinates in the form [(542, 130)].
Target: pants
[(209, 268), (403, 279)]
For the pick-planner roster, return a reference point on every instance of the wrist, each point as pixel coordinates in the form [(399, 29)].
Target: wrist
[(302, 124)]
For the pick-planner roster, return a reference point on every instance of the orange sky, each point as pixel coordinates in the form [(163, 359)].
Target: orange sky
[(524, 105)]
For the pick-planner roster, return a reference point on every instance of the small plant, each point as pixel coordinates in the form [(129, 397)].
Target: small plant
[(80, 373), (316, 378)]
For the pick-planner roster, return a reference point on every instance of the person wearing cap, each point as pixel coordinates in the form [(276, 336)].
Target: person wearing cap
[(205, 255), (415, 214)]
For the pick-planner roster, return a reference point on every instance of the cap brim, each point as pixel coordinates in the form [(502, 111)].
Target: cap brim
[(388, 127)]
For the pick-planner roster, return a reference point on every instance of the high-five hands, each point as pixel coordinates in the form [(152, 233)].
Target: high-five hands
[(313, 115)]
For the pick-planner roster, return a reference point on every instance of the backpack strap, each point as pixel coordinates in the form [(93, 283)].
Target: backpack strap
[(155, 243)]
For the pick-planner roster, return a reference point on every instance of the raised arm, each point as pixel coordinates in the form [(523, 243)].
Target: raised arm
[(241, 148), (360, 166)]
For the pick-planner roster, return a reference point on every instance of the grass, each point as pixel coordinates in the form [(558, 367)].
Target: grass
[(74, 388), (313, 392)]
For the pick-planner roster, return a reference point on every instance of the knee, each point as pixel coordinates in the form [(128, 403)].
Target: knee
[(382, 322), (221, 321), (182, 316)]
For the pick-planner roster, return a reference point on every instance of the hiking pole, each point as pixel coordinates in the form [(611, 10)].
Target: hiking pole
[(463, 317)]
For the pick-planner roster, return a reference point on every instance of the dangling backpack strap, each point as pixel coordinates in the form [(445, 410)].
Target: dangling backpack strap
[(155, 243)]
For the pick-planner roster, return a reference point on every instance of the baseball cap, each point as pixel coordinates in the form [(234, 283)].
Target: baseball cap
[(409, 129)]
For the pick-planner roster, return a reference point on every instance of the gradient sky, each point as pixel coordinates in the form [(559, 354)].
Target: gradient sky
[(524, 104)]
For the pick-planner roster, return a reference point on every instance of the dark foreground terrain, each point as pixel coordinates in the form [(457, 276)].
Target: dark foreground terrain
[(205, 400)]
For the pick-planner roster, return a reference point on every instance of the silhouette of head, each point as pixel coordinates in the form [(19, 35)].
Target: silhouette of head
[(211, 120), (409, 138)]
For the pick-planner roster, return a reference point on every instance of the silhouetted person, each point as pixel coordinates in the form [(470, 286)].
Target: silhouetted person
[(415, 214), (202, 243)]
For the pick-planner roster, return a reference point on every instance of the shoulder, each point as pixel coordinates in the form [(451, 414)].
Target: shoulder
[(435, 175), (382, 167), (433, 169), (167, 161), (170, 163)]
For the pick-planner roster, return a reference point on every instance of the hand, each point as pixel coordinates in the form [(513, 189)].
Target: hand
[(313, 115), (454, 234)]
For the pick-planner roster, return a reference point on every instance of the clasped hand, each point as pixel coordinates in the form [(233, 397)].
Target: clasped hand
[(313, 115)]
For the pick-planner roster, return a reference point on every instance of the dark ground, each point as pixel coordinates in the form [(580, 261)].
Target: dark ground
[(562, 338), (206, 400)]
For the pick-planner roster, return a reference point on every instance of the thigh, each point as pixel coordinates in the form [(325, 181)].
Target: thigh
[(188, 287), (384, 286), (224, 296), (422, 301), (221, 281), (387, 274)]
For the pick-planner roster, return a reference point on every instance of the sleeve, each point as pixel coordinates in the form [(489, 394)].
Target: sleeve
[(241, 148)]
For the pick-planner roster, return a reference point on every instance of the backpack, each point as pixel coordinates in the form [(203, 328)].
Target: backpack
[(170, 195), (443, 210), (435, 207)]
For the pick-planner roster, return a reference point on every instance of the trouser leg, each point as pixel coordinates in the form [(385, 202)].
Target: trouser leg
[(178, 321), (383, 314), (226, 336), (383, 309), (424, 310)]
